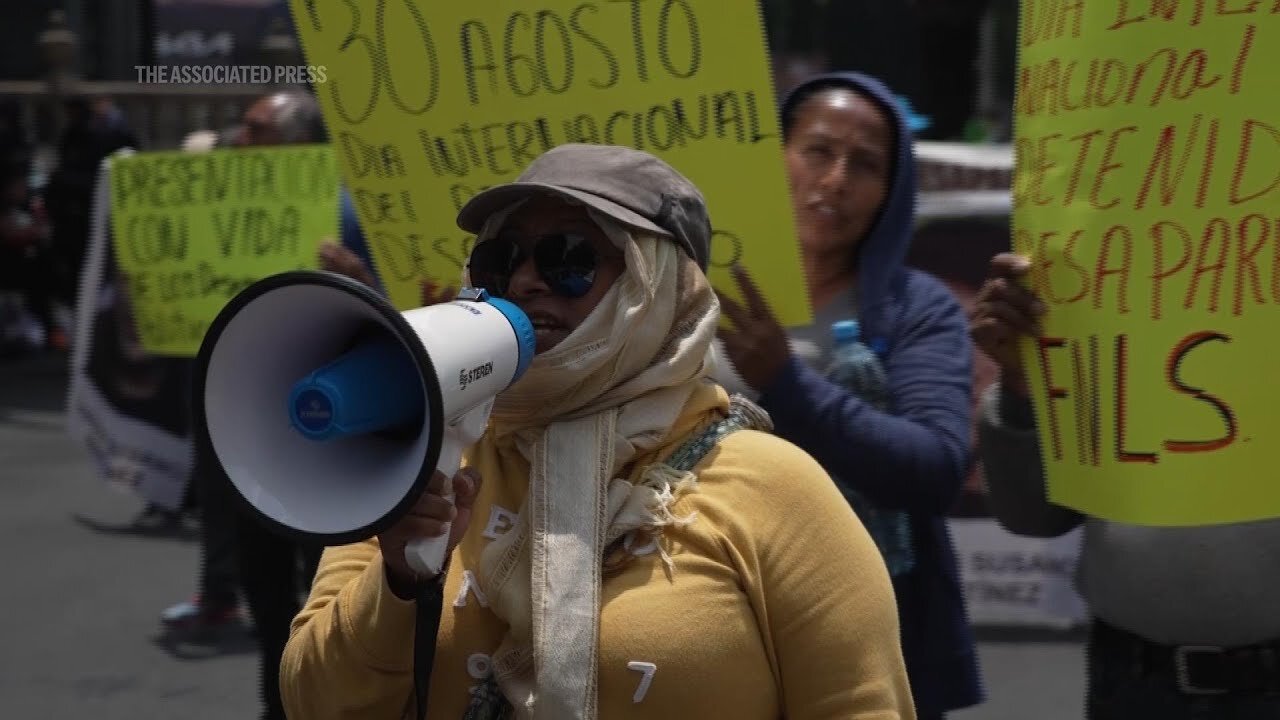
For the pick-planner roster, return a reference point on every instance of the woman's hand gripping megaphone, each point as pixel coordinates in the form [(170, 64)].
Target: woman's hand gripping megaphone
[(432, 516)]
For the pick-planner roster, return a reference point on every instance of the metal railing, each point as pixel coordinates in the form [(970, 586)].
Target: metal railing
[(160, 115)]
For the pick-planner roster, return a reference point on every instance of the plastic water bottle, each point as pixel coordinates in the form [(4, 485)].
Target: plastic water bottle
[(857, 368)]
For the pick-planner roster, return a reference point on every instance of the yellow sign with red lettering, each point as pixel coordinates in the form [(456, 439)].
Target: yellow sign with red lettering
[(1148, 195), (428, 103)]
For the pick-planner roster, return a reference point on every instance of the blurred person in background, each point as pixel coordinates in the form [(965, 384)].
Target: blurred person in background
[(274, 571), (215, 608), (1185, 624), (898, 446), (26, 264), (95, 128), (16, 150)]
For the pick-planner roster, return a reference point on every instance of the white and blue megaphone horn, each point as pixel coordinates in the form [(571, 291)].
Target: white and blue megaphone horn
[(329, 410)]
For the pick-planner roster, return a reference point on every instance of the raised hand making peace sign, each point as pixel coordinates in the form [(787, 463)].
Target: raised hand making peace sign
[(757, 345)]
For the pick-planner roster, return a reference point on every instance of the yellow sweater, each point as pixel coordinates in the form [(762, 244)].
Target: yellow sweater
[(779, 607)]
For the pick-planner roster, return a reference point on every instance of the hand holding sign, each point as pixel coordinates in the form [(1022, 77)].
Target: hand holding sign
[(432, 294), (757, 345), (338, 259), (1004, 314)]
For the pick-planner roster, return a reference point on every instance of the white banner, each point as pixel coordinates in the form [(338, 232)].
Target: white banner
[(1010, 580), (129, 453), (127, 408)]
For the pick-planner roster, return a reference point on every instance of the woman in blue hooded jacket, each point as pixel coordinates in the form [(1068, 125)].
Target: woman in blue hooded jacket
[(902, 464)]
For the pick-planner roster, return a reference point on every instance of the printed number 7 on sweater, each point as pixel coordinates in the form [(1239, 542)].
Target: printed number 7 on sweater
[(646, 679)]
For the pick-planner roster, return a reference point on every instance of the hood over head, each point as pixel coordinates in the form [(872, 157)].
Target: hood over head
[(882, 253)]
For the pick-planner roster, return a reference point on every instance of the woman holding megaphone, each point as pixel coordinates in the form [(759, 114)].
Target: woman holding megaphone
[(639, 548)]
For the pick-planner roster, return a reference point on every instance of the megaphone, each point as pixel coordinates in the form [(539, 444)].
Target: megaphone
[(329, 410)]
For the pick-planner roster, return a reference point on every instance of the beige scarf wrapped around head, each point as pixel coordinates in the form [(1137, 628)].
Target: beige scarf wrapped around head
[(610, 391)]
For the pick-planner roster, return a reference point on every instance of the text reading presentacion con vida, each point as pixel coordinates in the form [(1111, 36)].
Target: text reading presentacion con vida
[(197, 227), (1195, 202), (247, 202), (527, 54)]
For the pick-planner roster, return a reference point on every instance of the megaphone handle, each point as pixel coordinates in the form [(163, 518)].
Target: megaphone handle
[(426, 555)]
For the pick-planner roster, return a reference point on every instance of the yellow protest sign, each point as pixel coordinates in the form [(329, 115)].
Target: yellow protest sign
[(193, 229), (429, 102), (1148, 195)]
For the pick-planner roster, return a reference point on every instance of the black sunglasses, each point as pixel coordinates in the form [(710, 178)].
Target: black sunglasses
[(566, 262)]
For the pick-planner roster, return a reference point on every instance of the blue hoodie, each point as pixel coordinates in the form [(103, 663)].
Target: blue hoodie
[(916, 457)]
